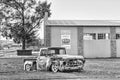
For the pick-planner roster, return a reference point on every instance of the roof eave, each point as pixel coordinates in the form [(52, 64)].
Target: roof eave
[(84, 25)]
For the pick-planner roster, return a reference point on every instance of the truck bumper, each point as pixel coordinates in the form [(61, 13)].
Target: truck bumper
[(71, 68)]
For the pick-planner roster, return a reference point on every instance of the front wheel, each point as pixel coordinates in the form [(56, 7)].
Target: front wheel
[(54, 68), (27, 67)]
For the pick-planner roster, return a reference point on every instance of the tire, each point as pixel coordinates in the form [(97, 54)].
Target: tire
[(27, 67), (54, 68)]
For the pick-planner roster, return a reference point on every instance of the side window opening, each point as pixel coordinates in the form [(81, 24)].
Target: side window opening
[(43, 52), (62, 51)]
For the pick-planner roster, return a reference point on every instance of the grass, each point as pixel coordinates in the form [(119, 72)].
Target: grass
[(94, 69), (11, 65)]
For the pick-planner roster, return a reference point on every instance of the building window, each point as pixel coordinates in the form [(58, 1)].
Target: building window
[(105, 36), (89, 36), (101, 36), (118, 36)]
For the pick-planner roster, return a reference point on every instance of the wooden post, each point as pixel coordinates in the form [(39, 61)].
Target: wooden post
[(45, 20)]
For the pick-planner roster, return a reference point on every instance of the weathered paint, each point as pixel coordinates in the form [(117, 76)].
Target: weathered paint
[(56, 38), (96, 48)]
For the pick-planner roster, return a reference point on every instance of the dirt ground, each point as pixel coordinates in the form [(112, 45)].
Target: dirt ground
[(94, 69)]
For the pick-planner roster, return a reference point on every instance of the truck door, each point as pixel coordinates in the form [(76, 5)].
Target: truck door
[(42, 60)]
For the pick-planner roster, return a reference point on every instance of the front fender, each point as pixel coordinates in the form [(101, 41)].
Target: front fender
[(49, 62)]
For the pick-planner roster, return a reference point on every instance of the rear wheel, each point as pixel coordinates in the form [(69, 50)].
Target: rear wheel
[(54, 68), (27, 67)]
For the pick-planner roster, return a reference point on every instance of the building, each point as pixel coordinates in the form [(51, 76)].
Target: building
[(90, 38)]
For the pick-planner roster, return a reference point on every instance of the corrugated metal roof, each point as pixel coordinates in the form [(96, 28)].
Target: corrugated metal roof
[(83, 22)]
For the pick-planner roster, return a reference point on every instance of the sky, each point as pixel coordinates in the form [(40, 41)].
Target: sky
[(85, 9)]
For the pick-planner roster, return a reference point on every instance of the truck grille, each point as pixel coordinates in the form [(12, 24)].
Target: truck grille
[(73, 63)]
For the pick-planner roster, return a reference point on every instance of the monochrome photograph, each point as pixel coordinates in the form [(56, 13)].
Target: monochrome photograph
[(59, 40)]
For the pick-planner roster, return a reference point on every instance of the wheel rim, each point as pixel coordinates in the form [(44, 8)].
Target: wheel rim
[(54, 68), (28, 67)]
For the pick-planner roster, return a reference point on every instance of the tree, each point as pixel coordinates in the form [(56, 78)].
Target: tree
[(21, 18)]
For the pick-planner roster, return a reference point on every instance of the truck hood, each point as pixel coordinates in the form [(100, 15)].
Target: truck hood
[(70, 56)]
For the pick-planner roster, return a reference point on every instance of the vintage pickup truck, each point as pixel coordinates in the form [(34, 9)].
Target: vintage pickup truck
[(54, 59)]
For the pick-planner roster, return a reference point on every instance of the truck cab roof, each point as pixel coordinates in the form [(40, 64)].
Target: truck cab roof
[(52, 48)]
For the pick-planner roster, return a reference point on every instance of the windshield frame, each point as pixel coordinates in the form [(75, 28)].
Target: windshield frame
[(56, 51)]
